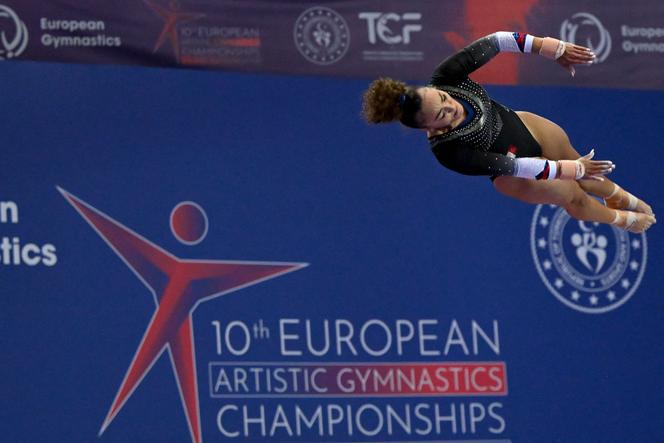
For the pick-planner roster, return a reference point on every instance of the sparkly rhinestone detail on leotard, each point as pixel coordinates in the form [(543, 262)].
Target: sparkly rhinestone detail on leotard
[(483, 129)]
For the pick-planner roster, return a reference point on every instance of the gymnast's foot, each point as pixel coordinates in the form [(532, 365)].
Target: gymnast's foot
[(621, 199), (633, 221)]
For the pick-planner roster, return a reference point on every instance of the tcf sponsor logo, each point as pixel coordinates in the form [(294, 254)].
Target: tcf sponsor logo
[(390, 34), (380, 26)]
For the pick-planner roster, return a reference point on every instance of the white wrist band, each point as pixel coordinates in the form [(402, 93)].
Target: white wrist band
[(533, 168), (514, 41)]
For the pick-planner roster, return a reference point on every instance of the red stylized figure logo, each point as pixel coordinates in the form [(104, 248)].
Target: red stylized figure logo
[(178, 287), (172, 16)]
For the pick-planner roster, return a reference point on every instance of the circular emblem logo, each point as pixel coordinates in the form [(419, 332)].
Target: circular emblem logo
[(590, 267), (586, 29), (13, 34), (321, 35)]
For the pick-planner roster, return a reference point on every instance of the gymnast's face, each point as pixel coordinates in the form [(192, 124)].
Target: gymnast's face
[(439, 110)]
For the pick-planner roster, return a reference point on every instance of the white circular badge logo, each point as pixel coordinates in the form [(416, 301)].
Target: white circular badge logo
[(590, 267), (586, 29), (321, 35), (13, 34)]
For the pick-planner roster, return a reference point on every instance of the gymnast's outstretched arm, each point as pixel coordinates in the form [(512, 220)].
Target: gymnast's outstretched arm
[(458, 66), (469, 161)]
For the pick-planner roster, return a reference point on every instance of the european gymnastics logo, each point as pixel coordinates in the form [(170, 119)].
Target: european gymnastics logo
[(586, 29), (13, 34), (590, 267)]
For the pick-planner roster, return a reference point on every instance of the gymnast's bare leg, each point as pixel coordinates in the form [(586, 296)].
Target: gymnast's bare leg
[(571, 195), (556, 146)]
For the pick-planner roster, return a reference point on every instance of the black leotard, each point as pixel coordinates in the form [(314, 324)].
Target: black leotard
[(488, 144)]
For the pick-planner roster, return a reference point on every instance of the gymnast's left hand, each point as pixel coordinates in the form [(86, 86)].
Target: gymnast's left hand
[(576, 55), (594, 169)]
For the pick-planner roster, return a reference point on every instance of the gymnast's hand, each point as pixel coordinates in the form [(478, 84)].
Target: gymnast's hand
[(575, 55), (594, 169)]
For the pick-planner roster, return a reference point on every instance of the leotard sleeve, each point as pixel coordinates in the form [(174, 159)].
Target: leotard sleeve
[(470, 161), (457, 67)]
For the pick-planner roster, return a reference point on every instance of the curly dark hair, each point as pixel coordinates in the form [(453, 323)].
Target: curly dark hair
[(387, 100)]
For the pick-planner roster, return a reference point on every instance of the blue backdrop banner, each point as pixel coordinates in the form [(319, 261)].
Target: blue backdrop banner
[(191, 256)]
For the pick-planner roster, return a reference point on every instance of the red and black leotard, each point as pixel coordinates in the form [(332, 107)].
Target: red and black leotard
[(488, 144)]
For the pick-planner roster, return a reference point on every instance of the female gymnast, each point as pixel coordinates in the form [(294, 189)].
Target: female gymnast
[(527, 156)]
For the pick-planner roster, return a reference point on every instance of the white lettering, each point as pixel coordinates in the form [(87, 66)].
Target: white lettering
[(479, 332), (220, 421), (377, 337), (71, 25), (8, 212), (455, 338), (388, 338), (283, 337), (427, 337), (378, 26), (247, 338)]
